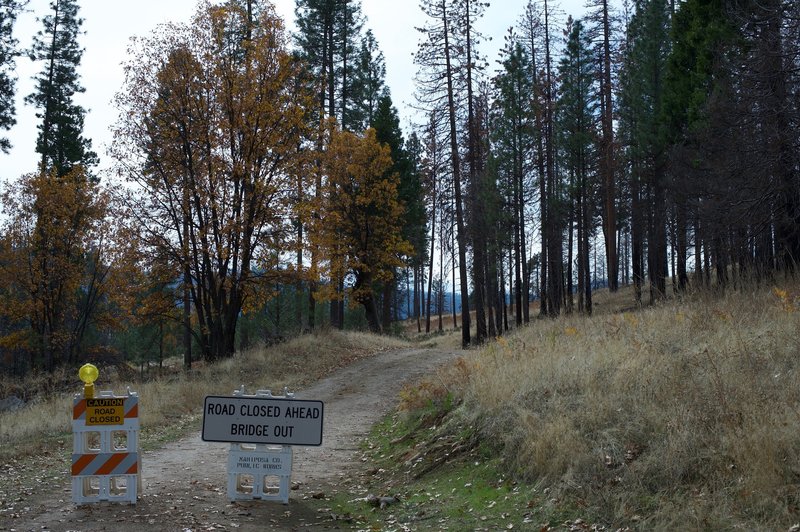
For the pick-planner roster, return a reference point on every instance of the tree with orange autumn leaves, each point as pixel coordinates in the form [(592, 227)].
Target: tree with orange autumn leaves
[(210, 149), (211, 119), (359, 224), (61, 271), (56, 275)]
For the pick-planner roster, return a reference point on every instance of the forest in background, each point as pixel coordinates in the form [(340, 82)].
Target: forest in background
[(262, 185)]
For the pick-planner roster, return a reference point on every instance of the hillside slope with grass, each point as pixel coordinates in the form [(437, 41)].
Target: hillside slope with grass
[(684, 415)]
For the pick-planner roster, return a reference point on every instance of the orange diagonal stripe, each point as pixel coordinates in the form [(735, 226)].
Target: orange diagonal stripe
[(134, 412), (132, 470), (78, 409), (111, 463), (81, 463)]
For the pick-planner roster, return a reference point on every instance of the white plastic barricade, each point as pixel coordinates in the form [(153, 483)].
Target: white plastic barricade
[(262, 429), (260, 471), (105, 448)]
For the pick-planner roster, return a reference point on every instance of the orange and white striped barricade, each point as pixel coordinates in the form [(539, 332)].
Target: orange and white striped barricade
[(105, 448)]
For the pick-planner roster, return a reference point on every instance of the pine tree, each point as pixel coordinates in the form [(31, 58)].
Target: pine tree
[(466, 14), (437, 89), (699, 31), (577, 131), (60, 143), (410, 192), (329, 38), (602, 20), (536, 30), (513, 140), (552, 220), (368, 84), (641, 101), (328, 41), (8, 52)]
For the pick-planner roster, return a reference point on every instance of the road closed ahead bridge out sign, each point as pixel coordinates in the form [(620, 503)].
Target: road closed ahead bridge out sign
[(262, 420)]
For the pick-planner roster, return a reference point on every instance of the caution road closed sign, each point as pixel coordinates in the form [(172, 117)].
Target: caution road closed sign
[(105, 411), (262, 420)]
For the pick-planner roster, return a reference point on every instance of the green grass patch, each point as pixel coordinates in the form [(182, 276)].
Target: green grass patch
[(437, 476)]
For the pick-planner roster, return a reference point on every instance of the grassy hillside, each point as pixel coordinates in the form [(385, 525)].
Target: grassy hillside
[(684, 415)]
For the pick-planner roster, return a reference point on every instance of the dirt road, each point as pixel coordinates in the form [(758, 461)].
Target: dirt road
[(185, 484)]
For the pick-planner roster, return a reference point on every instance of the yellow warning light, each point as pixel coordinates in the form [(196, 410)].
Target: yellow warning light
[(88, 374)]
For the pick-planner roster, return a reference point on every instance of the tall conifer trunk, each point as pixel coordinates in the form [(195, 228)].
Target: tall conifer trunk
[(460, 226), (607, 159)]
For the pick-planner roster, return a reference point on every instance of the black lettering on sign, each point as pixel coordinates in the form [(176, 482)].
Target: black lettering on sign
[(104, 420), (302, 412), (220, 409), (283, 431), (251, 410), (107, 402), (244, 429)]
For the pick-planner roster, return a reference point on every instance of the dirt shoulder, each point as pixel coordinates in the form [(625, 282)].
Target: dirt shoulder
[(184, 485)]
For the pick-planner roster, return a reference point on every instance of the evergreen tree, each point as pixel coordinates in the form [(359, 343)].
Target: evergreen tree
[(439, 58), (410, 188), (641, 102), (513, 140), (601, 19), (60, 143), (551, 191), (466, 14), (700, 28), (8, 52), (577, 131), (368, 84), (328, 38)]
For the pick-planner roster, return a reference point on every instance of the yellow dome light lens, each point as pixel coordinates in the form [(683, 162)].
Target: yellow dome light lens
[(88, 374)]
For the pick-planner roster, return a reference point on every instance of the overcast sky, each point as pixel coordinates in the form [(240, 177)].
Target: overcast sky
[(109, 24)]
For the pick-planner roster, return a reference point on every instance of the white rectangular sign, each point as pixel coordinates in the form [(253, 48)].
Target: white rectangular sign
[(268, 463), (262, 420)]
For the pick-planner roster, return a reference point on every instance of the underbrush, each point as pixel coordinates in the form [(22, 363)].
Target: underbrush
[(682, 415)]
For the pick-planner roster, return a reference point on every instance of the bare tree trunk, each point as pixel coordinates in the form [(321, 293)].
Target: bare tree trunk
[(607, 160), (475, 189), (570, 241), (430, 265), (187, 281), (460, 229), (554, 237)]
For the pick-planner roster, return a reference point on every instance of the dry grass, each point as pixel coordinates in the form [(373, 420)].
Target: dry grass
[(684, 415), (293, 364)]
